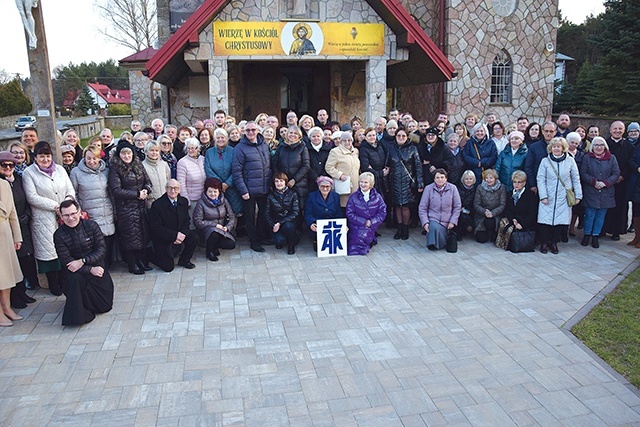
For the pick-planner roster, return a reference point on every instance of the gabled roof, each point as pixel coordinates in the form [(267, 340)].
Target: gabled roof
[(141, 56), (111, 96), (426, 64)]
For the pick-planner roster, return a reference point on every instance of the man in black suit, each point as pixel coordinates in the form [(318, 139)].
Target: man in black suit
[(170, 234)]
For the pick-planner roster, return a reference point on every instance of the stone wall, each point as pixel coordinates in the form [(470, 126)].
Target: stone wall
[(476, 33), (9, 122)]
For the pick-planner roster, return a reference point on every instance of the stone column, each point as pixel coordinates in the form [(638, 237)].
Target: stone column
[(376, 89), (218, 85), (41, 86)]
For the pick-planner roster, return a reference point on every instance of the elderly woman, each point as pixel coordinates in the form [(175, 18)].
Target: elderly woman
[(577, 212), (292, 158), (406, 181), (521, 204), (306, 122), (217, 164), (434, 154), (130, 186), (10, 241), (70, 137), (599, 172), (389, 135), (190, 173), (234, 135), (318, 154), (488, 206), (557, 173), (21, 153), (470, 121), (214, 219), (373, 158), (343, 164), (511, 159), (205, 136), (19, 297), (321, 204), (140, 140), (457, 166), (282, 213), (46, 185), (467, 190), (158, 171), (439, 209), (365, 211), (269, 135), (91, 181), (166, 154), (480, 153)]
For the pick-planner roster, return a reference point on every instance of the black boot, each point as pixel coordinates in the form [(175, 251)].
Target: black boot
[(141, 260), (16, 298), (54, 283), (398, 234), (594, 242), (131, 262), (586, 238), (405, 232), (291, 250)]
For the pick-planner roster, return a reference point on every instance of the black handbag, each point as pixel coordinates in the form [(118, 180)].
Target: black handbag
[(522, 241), (452, 241)]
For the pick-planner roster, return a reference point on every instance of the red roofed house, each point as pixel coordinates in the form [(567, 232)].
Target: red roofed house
[(349, 57), (105, 96)]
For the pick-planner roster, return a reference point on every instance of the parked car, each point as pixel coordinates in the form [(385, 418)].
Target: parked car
[(25, 122)]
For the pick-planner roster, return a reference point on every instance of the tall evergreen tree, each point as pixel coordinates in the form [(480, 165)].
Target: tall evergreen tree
[(85, 102)]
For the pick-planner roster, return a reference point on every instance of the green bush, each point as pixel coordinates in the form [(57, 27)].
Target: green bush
[(13, 101), (119, 110)]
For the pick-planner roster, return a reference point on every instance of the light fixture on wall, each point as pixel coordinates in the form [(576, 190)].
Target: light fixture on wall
[(219, 99), (378, 95)]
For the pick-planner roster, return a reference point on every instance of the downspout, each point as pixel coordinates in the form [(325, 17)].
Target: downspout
[(441, 40)]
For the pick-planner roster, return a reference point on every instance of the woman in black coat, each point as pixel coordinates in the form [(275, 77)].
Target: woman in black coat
[(467, 189), (522, 205), (318, 155), (130, 185), (434, 154), (406, 180), (373, 158), (292, 159), (282, 213)]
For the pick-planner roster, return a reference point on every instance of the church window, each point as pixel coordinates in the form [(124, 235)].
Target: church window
[(501, 75), (156, 96)]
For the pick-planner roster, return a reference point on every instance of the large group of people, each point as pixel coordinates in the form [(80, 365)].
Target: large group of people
[(152, 195)]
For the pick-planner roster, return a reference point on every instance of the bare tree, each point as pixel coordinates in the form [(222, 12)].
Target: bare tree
[(6, 77), (130, 23)]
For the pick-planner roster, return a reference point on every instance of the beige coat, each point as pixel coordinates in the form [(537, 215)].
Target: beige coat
[(10, 272), (343, 161)]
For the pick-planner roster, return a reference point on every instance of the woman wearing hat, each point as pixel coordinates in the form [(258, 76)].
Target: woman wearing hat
[(322, 204), (511, 159), (46, 185), (130, 186), (19, 297), (214, 219), (68, 158)]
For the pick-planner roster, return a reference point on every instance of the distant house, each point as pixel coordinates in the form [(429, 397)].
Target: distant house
[(105, 96), (561, 67)]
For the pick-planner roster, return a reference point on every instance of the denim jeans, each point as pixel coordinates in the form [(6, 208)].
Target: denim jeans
[(593, 221)]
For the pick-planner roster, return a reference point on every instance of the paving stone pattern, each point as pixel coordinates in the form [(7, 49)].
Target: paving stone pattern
[(401, 337)]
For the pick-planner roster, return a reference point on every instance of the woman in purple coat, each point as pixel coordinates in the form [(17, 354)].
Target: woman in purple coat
[(366, 210), (439, 210)]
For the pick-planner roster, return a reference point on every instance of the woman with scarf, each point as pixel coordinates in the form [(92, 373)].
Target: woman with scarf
[(599, 171), (511, 159), (439, 209), (217, 164), (46, 185), (158, 171), (467, 190), (214, 219), (166, 154), (21, 153), (557, 173), (488, 206)]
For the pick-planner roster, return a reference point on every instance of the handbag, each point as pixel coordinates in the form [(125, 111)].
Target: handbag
[(571, 195), (452, 242), (522, 241), (505, 231)]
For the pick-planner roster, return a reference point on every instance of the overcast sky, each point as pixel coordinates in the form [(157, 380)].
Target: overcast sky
[(72, 35)]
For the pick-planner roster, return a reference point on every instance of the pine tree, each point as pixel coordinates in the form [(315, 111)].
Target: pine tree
[(85, 102), (13, 101)]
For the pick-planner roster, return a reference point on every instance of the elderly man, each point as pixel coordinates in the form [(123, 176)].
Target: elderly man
[(172, 132), (198, 125), (273, 122), (380, 124), (136, 126), (81, 250), (170, 233), (536, 152), (158, 127), (251, 173), (617, 218)]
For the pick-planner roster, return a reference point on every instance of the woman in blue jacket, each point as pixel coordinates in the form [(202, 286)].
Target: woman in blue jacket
[(511, 159)]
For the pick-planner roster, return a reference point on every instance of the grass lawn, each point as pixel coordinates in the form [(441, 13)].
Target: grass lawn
[(116, 133), (612, 328)]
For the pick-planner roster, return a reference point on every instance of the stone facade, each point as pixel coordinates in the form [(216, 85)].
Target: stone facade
[(141, 99)]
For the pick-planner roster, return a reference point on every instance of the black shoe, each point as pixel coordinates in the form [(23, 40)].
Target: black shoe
[(136, 270), (432, 247), (595, 243), (188, 265), (278, 246), (216, 252), (424, 232), (398, 234), (291, 250), (405, 232), (565, 238), (28, 299), (378, 234), (631, 229), (257, 248), (544, 248), (143, 266), (585, 240), (554, 249), (212, 256), (18, 304), (267, 242), (615, 237)]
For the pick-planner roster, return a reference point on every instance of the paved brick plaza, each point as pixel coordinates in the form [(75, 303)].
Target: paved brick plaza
[(402, 337)]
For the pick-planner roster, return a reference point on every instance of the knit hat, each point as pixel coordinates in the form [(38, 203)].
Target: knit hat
[(345, 135), (67, 149), (124, 144), (212, 183), (324, 179), (633, 126), (336, 135), (42, 147), (432, 130)]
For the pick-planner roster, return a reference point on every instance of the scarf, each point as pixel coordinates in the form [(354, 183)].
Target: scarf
[(366, 195), (20, 167), (49, 171), (153, 163), (317, 147), (558, 159), (516, 195), (440, 189), (215, 202), (494, 187)]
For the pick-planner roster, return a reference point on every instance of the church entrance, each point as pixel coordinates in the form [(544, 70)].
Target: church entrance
[(277, 87)]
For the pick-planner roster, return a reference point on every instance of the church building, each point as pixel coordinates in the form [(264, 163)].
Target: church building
[(349, 57)]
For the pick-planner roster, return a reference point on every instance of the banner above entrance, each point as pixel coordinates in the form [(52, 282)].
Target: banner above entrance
[(297, 38)]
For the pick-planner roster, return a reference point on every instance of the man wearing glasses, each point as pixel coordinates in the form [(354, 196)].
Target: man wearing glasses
[(251, 176), (81, 250), (538, 151)]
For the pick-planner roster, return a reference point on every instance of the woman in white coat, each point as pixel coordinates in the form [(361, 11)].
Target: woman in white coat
[(46, 185), (10, 242), (557, 173)]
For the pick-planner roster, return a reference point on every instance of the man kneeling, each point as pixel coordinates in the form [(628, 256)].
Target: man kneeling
[(81, 250), (169, 225)]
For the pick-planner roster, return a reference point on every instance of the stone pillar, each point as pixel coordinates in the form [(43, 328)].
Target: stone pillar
[(376, 90), (42, 89), (218, 85)]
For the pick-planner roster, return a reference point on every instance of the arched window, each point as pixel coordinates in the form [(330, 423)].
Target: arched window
[(156, 96), (501, 73)]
